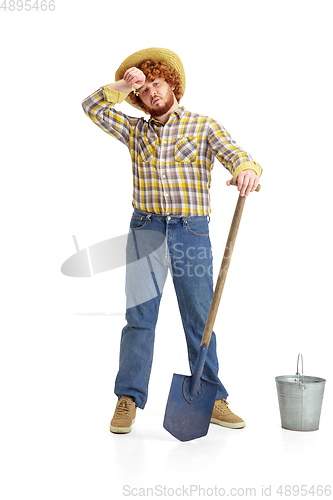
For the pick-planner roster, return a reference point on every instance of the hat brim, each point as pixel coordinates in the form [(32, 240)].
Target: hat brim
[(156, 54)]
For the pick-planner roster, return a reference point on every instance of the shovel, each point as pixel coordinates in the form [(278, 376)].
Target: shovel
[(191, 398)]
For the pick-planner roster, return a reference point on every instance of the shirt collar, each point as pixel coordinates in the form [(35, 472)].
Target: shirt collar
[(180, 111)]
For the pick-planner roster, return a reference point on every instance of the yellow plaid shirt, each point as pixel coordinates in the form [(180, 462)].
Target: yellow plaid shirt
[(171, 163)]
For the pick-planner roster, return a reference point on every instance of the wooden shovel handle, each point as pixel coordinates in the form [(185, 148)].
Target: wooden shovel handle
[(224, 269)]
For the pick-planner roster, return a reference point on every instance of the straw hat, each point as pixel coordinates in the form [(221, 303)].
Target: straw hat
[(156, 54)]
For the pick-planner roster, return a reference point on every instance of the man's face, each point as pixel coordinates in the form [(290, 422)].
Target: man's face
[(157, 97)]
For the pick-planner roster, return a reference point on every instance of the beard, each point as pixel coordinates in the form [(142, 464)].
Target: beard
[(160, 110)]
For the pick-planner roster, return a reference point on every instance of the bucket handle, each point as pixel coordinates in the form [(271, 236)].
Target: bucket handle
[(300, 383)]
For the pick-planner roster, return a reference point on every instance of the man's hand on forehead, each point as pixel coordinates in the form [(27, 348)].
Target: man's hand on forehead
[(134, 77)]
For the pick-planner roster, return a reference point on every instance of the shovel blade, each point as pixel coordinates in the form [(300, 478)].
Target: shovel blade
[(188, 419)]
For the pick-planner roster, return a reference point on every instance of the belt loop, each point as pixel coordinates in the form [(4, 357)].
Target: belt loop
[(148, 217), (184, 221)]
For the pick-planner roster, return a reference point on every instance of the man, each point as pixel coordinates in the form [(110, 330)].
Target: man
[(172, 157)]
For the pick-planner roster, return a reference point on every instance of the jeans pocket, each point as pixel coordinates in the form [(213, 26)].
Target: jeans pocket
[(138, 222), (198, 226)]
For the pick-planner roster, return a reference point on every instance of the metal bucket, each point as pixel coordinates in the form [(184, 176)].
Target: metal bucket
[(300, 400)]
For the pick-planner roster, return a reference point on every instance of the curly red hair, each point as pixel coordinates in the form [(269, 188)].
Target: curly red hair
[(158, 69)]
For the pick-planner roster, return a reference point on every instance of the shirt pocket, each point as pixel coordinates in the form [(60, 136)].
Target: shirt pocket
[(186, 149), (146, 149)]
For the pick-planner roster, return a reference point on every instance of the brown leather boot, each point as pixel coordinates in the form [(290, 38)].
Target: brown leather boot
[(222, 415), (124, 416)]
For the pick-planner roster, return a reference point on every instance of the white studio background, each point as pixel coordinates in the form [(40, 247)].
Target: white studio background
[(261, 68)]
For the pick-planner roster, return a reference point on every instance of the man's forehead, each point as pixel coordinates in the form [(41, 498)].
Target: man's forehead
[(148, 81)]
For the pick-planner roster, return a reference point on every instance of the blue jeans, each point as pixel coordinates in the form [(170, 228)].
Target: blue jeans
[(156, 244)]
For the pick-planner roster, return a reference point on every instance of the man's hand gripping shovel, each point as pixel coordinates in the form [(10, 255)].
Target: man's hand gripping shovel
[(191, 398)]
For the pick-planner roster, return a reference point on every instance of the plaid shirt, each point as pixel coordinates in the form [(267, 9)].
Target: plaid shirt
[(171, 163)]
